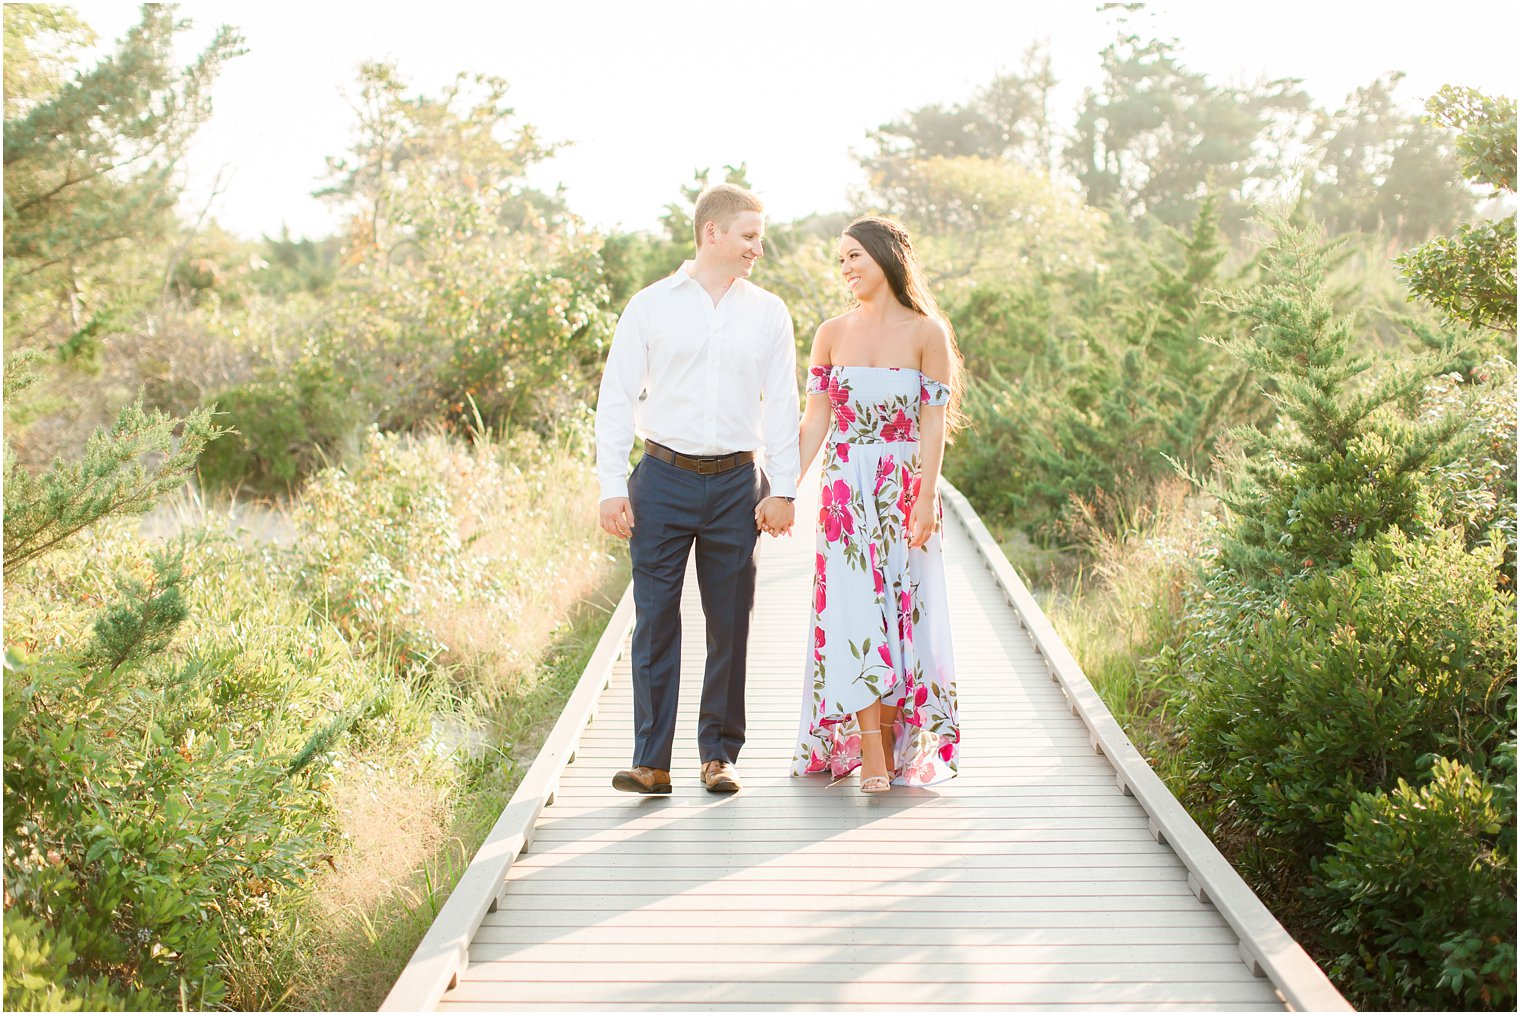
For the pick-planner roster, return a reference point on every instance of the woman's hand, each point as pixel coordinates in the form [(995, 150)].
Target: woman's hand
[(922, 521)]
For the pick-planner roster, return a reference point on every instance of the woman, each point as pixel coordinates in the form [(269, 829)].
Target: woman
[(883, 400)]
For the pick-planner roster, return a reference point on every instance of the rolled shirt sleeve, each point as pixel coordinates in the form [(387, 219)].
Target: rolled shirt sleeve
[(779, 408), (623, 381)]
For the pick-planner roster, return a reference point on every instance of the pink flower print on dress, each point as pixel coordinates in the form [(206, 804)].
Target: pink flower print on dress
[(947, 750), (885, 653), (876, 572), (845, 751), (918, 774), (907, 490), (912, 714), (820, 583), (835, 513), (898, 428), (819, 637), (843, 451), (883, 472), (839, 395), (905, 620), (816, 763)]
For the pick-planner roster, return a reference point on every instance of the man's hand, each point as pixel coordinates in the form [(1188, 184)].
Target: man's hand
[(774, 515), (617, 517)]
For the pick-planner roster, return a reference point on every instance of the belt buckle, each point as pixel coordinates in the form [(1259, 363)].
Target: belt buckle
[(707, 466)]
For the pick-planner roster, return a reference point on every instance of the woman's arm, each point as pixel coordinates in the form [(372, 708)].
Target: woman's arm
[(937, 364), (817, 414)]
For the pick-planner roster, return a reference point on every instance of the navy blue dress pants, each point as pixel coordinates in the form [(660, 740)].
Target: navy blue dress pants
[(674, 511)]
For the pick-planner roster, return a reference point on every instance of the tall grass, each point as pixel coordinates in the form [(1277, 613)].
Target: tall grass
[(403, 642), (1117, 601)]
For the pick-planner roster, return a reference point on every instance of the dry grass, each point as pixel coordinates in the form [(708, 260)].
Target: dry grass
[(1121, 614)]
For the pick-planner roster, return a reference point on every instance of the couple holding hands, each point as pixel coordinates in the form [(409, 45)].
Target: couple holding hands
[(703, 368)]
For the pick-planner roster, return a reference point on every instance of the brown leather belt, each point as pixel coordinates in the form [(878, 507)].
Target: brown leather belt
[(702, 465)]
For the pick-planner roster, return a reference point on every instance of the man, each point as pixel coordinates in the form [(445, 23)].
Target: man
[(702, 367)]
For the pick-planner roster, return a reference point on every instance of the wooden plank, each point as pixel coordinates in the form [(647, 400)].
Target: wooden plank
[(912, 855), (948, 1005), (655, 924), (858, 934), (832, 972), (728, 905), (750, 951), (872, 989)]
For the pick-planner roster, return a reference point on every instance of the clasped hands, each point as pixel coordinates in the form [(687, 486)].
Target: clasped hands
[(774, 516)]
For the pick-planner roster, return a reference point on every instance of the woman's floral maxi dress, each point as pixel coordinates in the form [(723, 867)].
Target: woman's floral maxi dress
[(881, 626)]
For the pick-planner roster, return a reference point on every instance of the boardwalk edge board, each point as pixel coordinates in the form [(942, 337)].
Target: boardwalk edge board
[(444, 951), (1265, 946)]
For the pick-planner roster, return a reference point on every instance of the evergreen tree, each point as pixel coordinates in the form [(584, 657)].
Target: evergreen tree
[(1341, 465), (90, 166)]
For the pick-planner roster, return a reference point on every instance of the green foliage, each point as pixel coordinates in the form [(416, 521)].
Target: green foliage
[(1354, 638), (1007, 120), (43, 511), (139, 840), (1470, 275), (977, 219), (1156, 137), (1342, 684), (37, 977), (1380, 169), (456, 286), (89, 163), (1475, 487), (1486, 133), (1342, 465), (1099, 417), (1424, 887), (283, 427)]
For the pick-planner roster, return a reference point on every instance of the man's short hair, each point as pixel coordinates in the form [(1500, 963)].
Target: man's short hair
[(720, 204)]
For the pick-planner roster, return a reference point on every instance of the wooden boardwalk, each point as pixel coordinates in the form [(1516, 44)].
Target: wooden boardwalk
[(1039, 877)]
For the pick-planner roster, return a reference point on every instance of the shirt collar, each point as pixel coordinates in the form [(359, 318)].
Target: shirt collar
[(683, 274)]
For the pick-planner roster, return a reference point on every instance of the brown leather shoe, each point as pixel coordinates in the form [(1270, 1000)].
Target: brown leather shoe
[(720, 777), (642, 780)]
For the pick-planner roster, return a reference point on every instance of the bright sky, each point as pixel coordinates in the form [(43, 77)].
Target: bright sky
[(649, 90)]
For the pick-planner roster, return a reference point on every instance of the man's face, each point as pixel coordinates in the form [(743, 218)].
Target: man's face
[(739, 246)]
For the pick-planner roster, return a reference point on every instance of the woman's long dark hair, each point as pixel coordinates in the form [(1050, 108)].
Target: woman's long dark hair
[(889, 246)]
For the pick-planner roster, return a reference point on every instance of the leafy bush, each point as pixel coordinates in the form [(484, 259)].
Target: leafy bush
[(1348, 683), (140, 832), (1423, 888), (1100, 409), (286, 425)]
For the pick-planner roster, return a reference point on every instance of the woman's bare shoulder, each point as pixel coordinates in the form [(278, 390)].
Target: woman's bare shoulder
[(931, 333)]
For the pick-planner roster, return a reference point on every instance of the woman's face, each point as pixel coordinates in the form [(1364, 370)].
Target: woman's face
[(863, 277)]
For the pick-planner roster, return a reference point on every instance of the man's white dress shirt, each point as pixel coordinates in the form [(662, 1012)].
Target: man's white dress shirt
[(700, 379)]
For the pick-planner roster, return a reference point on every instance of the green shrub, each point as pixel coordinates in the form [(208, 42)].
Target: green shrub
[(1423, 892), (140, 833), (37, 977), (1346, 684), (287, 424)]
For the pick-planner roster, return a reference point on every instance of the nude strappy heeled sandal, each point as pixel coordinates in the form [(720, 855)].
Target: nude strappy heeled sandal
[(874, 783)]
